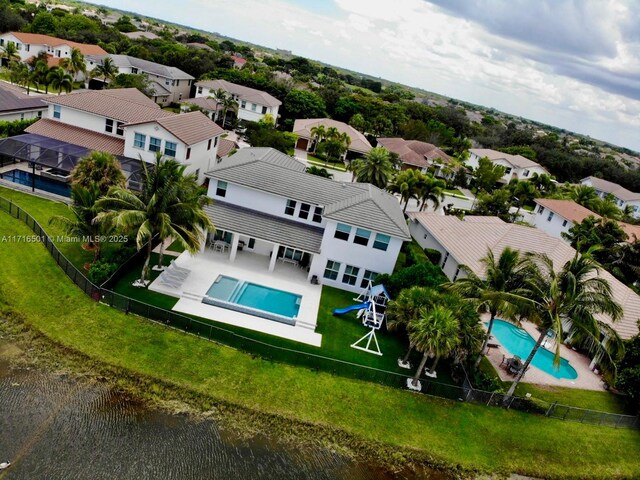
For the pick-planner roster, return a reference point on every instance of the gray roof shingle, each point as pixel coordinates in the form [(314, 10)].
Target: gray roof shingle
[(13, 98), (244, 93), (127, 61)]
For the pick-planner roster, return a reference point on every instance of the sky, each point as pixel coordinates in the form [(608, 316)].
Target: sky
[(574, 64)]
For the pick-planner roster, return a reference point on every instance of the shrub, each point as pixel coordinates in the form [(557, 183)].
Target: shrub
[(101, 270), (421, 275), (415, 254), (16, 127), (433, 255)]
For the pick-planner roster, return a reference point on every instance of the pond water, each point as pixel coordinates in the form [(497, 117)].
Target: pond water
[(54, 427)]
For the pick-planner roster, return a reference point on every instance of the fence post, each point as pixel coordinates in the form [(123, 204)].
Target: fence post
[(491, 398), (551, 407)]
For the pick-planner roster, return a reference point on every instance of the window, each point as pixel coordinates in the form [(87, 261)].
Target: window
[(368, 276), (425, 236), (253, 107), (304, 210), (540, 209), (209, 145), (252, 243), (331, 270), (264, 110), (550, 216), (221, 189), (188, 153), (290, 253), (243, 104), (381, 242), (342, 231), (119, 128), (455, 275), (27, 47), (350, 275), (197, 173), (507, 170), (215, 142), (290, 208), (564, 224), (108, 125), (56, 111), (362, 236), (170, 149), (525, 173), (199, 90), (134, 70), (40, 114), (154, 144), (139, 140), (177, 83), (317, 215), (444, 262)]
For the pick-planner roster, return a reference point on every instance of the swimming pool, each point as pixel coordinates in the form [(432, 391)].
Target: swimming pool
[(25, 178), (518, 342), (254, 299)]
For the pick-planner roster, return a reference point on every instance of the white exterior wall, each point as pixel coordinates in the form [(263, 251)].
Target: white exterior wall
[(32, 50), (635, 204), (514, 172), (82, 119), (451, 266), (245, 113), (554, 226), (23, 115)]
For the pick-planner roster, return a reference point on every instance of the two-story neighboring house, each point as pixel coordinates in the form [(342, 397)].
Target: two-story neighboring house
[(304, 128), (15, 104), (170, 84), (623, 197), (418, 155), (29, 45), (253, 104), (343, 233), (125, 122), (516, 166)]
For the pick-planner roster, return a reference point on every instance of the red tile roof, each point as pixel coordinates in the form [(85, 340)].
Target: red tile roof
[(39, 39), (414, 152), (190, 128), (77, 136)]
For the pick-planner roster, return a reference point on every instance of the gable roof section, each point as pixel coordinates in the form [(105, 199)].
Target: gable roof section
[(40, 39), (13, 98), (359, 143), (127, 61), (225, 147), (244, 93), (203, 102), (126, 105), (568, 209), (414, 152), (77, 136), (359, 204), (517, 161), (612, 188), (468, 243), (190, 128)]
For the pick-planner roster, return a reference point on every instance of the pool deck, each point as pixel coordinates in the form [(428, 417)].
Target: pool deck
[(205, 268), (586, 380)]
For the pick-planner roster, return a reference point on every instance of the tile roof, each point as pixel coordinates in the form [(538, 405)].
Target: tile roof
[(359, 204), (244, 93), (127, 61), (225, 147), (138, 35), (190, 128), (468, 242), (612, 188), (204, 103), (40, 39), (126, 105), (265, 227), (13, 98), (517, 161), (359, 143), (77, 136), (414, 152)]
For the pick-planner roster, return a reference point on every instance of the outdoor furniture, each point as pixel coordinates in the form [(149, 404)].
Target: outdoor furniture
[(314, 280), (514, 365), (288, 260)]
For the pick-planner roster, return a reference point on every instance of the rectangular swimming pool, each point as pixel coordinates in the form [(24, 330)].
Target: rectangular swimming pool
[(254, 299), (25, 178)]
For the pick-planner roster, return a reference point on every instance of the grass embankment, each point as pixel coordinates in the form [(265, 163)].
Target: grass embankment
[(456, 433)]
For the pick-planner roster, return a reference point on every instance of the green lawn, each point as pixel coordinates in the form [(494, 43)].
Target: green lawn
[(318, 162), (458, 433), (454, 191)]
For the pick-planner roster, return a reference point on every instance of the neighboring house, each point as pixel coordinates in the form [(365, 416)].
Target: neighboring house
[(417, 155), (209, 106), (466, 242), (306, 141), (517, 167), (15, 104), (344, 233), (556, 217), (125, 122), (29, 45), (225, 147), (253, 104), (201, 46), (139, 35), (170, 84), (622, 196), (238, 62)]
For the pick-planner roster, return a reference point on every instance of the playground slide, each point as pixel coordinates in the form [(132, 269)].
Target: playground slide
[(359, 306)]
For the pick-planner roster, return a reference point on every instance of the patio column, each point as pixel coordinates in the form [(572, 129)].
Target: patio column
[(234, 247), (274, 256)]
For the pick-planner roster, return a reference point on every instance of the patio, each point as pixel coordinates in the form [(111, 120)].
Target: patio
[(206, 266)]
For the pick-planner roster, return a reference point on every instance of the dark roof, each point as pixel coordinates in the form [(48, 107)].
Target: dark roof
[(12, 98)]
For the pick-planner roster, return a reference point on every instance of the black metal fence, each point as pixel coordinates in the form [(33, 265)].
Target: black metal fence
[(334, 366)]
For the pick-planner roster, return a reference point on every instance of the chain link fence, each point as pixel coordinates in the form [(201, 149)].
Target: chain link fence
[(466, 392)]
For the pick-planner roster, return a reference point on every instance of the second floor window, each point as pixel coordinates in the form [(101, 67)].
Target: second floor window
[(56, 111), (264, 110), (199, 90), (188, 153), (317, 215), (170, 149), (290, 208), (304, 210), (139, 140), (221, 189), (362, 236), (342, 231), (108, 125), (209, 145), (253, 107), (381, 242), (154, 144), (243, 104)]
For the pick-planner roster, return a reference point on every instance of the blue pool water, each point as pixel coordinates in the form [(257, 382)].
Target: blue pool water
[(46, 184), (518, 342), (257, 297)]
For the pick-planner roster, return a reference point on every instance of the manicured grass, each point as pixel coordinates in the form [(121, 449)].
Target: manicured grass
[(454, 191), (176, 247), (318, 162), (462, 434)]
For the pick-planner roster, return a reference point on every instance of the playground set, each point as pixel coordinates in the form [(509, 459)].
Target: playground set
[(371, 309)]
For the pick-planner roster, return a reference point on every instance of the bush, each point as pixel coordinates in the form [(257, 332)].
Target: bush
[(415, 254), (101, 270), (16, 127), (121, 255), (421, 275), (433, 255)]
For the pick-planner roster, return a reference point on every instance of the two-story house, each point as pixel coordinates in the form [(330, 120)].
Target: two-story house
[(126, 123), (15, 104), (253, 104), (418, 155), (30, 45), (516, 166), (169, 84), (304, 128), (343, 233), (624, 198)]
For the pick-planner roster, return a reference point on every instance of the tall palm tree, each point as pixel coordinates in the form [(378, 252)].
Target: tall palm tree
[(60, 79), (75, 63), (168, 206), (39, 74), (228, 104), (375, 168), (19, 73), (407, 183), (100, 170), (584, 195), (107, 70), (431, 188), (220, 96), (9, 52), (502, 289), (319, 133), (435, 334), (567, 303), (523, 191)]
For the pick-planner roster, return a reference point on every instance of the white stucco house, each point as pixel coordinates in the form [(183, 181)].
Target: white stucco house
[(29, 45), (344, 234), (516, 166), (302, 127), (622, 196), (15, 104), (253, 104), (419, 155)]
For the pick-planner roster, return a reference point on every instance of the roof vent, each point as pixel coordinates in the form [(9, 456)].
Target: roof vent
[(344, 185)]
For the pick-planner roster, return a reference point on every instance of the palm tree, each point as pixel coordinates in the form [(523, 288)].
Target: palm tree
[(470, 333), (375, 168), (19, 73), (319, 171), (319, 133), (99, 170), (75, 63), (107, 70), (9, 52), (435, 334), (584, 195), (543, 182), (170, 205), (39, 74), (523, 191), (228, 104), (59, 79), (501, 290), (567, 302), (407, 183), (220, 96), (432, 189)]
